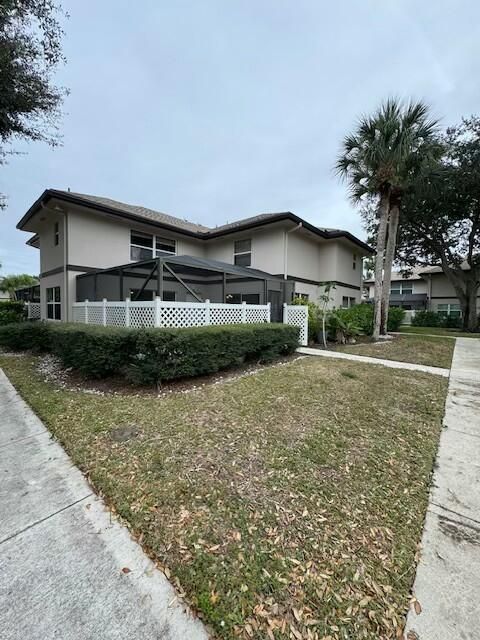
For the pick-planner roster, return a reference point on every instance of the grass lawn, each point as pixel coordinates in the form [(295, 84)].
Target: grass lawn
[(435, 352), (284, 504), (438, 331)]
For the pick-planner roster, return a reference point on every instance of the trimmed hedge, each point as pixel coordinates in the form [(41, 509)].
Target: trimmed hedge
[(11, 311), (361, 315), (434, 319), (148, 356)]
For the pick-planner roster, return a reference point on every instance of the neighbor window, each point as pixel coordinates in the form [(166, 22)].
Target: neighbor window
[(54, 305), (242, 253), (452, 310), (56, 233), (142, 246), (348, 302), (401, 288), (302, 296)]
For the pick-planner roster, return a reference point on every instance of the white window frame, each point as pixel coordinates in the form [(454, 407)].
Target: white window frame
[(54, 303), (400, 287), (242, 253), (155, 253), (457, 311)]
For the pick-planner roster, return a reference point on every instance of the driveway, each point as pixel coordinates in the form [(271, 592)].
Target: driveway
[(67, 568)]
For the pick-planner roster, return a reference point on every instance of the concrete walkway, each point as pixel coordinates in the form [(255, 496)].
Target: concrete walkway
[(68, 570), (393, 364), (447, 585)]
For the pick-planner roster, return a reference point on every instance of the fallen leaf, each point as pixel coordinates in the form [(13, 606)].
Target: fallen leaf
[(418, 607), (126, 570)]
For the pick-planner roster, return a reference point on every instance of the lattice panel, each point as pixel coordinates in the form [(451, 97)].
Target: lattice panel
[(194, 316), (95, 314), (34, 310), (256, 314), (79, 314), (298, 316), (115, 316), (226, 315), (142, 316)]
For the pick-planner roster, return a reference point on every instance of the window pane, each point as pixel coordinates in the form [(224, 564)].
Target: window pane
[(169, 296), (50, 294), (50, 311), (142, 239), (242, 246), (165, 245), (57, 310), (251, 298), (442, 307), (57, 294), (243, 259), (395, 291), (407, 290), (352, 301), (137, 253), (345, 301)]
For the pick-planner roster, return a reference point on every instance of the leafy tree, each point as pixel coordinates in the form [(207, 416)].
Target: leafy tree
[(440, 222), (30, 50), (13, 282), (379, 161)]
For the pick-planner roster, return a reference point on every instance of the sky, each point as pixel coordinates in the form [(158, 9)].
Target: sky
[(214, 110)]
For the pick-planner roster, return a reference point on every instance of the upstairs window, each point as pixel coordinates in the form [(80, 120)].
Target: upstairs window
[(56, 233), (242, 253), (54, 305), (144, 246), (165, 245), (141, 246), (401, 288), (354, 261)]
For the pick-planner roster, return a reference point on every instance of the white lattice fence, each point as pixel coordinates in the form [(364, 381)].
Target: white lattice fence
[(160, 313), (298, 316), (33, 310)]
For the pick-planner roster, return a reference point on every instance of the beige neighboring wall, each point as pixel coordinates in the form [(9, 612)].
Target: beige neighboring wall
[(267, 248)]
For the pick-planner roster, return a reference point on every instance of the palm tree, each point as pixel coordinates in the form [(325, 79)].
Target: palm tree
[(13, 282), (380, 160)]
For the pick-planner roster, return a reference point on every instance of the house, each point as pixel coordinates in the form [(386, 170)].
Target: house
[(426, 288), (93, 248)]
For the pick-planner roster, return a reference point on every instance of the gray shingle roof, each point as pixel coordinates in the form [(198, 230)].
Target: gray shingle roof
[(143, 212)]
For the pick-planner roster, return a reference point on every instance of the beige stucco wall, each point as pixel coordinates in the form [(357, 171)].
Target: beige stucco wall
[(51, 255), (267, 248), (100, 241)]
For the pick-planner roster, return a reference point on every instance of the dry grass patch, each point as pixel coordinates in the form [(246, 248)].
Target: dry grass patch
[(286, 504), (435, 352)]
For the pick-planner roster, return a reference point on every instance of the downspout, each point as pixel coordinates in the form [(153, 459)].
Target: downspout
[(65, 263)]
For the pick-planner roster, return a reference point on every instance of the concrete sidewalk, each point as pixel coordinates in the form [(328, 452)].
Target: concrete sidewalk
[(447, 585), (393, 364), (68, 570)]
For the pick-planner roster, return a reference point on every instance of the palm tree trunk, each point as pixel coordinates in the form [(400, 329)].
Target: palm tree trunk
[(381, 238), (387, 270)]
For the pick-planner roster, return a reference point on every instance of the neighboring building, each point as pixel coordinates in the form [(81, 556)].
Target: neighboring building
[(4, 295), (93, 247), (426, 288)]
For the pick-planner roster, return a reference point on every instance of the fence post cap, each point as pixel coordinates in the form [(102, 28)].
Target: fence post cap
[(207, 300), (104, 300), (86, 300)]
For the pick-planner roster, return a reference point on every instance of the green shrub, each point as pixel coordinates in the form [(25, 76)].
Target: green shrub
[(396, 316), (148, 356), (95, 351), (166, 354), (11, 311), (426, 319), (451, 322), (361, 316), (34, 336)]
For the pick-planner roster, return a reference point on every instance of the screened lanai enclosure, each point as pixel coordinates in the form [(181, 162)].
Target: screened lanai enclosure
[(186, 279)]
